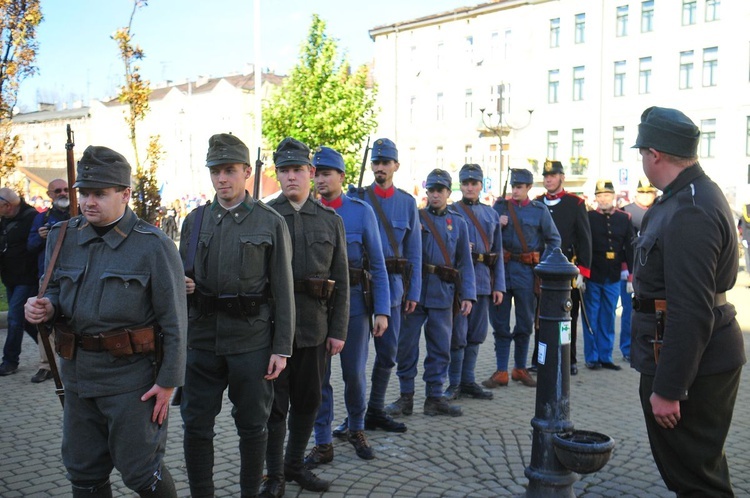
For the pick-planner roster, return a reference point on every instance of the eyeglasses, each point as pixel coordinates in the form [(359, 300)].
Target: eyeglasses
[(60, 190)]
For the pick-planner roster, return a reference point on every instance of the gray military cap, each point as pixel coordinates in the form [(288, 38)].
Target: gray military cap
[(101, 167)]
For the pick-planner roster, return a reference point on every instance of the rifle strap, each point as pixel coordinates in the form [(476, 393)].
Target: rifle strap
[(189, 264), (383, 221), (478, 226), (41, 328), (436, 235), (517, 227)]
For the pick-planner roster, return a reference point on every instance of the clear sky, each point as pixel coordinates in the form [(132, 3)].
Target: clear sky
[(78, 60)]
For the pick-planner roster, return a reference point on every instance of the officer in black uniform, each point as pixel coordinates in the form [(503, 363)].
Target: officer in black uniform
[(687, 343)]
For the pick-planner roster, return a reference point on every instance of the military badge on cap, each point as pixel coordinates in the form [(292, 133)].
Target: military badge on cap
[(644, 185), (225, 148), (470, 172), (604, 186), (291, 152), (552, 167), (384, 150), (437, 178), (328, 158)]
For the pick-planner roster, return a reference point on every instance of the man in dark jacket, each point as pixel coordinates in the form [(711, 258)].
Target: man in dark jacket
[(687, 344), (57, 190), (18, 268), (241, 277), (321, 294)]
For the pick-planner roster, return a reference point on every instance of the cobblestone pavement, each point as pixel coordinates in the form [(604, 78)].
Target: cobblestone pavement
[(482, 453)]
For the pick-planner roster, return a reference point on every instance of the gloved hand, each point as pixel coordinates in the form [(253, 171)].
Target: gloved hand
[(624, 275), (581, 283), (629, 288)]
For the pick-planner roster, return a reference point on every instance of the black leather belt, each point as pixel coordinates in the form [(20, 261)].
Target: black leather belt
[(234, 305), (649, 305)]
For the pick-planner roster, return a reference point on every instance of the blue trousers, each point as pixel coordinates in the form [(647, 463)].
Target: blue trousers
[(627, 310), (438, 325), (601, 300), (353, 363), (17, 296), (468, 333), (525, 305), (386, 347)]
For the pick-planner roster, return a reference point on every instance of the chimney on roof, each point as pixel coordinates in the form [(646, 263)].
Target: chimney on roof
[(45, 106)]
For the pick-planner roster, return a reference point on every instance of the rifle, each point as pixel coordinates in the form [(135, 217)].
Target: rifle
[(505, 186), (258, 170), (71, 167), (364, 163)]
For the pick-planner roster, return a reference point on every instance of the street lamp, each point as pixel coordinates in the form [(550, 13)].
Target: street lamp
[(499, 127)]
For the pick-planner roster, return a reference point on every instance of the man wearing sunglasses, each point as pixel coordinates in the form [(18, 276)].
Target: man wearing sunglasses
[(57, 190)]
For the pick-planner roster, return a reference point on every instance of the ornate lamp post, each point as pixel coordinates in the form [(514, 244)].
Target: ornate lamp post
[(497, 126)]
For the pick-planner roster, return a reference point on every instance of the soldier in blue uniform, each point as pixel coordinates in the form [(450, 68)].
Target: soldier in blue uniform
[(368, 288), (612, 258), (645, 194), (398, 219), (529, 234), (569, 214), (447, 277), (486, 242)]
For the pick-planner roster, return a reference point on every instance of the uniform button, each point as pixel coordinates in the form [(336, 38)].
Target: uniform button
[(229, 305), (218, 216), (236, 214)]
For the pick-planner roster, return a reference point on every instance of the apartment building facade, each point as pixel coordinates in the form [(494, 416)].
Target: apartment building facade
[(456, 85)]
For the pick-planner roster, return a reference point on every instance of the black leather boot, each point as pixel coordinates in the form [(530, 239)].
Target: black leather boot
[(199, 463), (252, 456), (92, 490)]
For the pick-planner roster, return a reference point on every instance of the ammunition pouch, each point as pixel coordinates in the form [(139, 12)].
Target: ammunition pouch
[(361, 276), (527, 258), (318, 288), (489, 259), (396, 265), (444, 273), (234, 305), (65, 340), (118, 343)]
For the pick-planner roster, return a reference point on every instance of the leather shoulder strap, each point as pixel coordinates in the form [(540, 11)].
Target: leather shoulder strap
[(517, 227), (440, 242), (53, 259), (478, 226), (193, 243), (384, 221)]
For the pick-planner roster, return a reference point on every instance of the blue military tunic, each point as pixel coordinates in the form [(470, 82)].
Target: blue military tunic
[(490, 223), (455, 234), (540, 233), (400, 210), (363, 237)]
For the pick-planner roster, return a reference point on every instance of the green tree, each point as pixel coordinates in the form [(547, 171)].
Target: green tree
[(18, 46), (322, 102), (134, 94)]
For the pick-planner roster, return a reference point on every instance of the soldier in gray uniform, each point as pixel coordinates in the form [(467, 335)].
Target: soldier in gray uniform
[(321, 294), (241, 264), (117, 293)]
